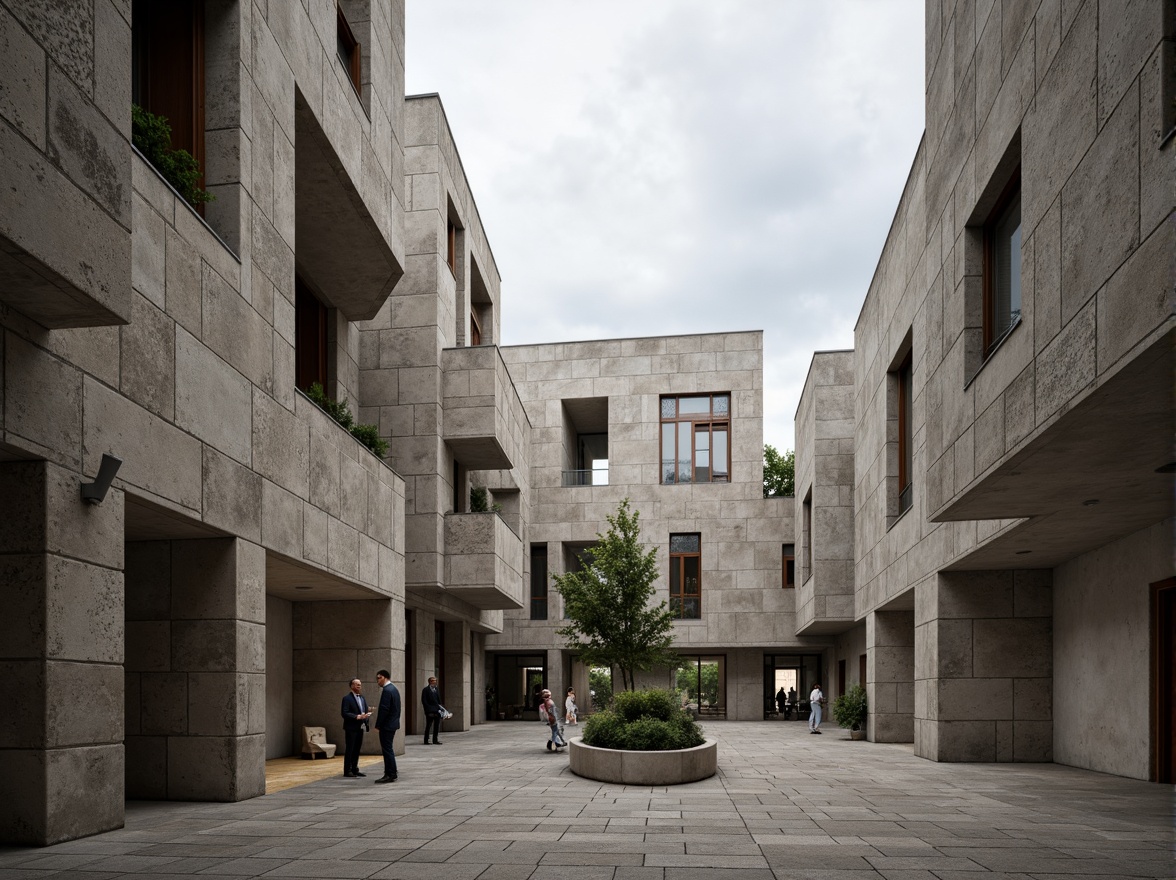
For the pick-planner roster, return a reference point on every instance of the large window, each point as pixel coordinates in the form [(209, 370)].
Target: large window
[(686, 576), (695, 439), (905, 434), (1002, 266), (538, 582)]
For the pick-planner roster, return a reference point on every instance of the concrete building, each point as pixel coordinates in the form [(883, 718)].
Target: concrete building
[(1011, 426), (250, 556)]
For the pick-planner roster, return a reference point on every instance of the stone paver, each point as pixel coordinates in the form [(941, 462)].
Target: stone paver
[(492, 804)]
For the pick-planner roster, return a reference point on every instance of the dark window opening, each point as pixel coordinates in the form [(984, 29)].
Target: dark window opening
[(167, 69), (905, 434), (349, 51), (310, 337), (695, 439), (807, 525), (686, 576), (475, 329), (451, 246), (788, 565), (538, 582), (1002, 266)]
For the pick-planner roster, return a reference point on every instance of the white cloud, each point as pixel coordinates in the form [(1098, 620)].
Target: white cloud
[(679, 166)]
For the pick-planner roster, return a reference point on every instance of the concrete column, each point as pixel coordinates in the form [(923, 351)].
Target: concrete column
[(556, 675), (195, 671), (890, 675), (984, 667), (478, 676), (61, 651), (335, 642), (456, 671), (427, 663)]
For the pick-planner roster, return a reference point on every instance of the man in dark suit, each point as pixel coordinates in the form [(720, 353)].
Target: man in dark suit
[(387, 723), (431, 701), (355, 714)]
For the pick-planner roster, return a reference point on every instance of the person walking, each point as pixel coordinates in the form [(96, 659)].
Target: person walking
[(570, 710), (387, 723), (781, 701), (816, 700), (547, 709), (355, 714), (431, 702)]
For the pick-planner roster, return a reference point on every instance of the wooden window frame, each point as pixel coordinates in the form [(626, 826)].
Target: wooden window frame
[(347, 43), (788, 566), (991, 337), (678, 559), (310, 337), (539, 609), (475, 328), (905, 376), (710, 421)]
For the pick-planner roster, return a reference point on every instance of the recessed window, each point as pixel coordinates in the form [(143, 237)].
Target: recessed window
[(695, 439), (1002, 266), (348, 50), (538, 582), (806, 524), (167, 69), (788, 566), (451, 246), (686, 576), (475, 329), (905, 434), (310, 337)]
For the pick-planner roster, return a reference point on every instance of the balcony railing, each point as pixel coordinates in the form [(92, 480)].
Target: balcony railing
[(590, 477)]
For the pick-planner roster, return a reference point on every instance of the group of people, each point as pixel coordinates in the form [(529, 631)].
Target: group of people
[(357, 713), (816, 704)]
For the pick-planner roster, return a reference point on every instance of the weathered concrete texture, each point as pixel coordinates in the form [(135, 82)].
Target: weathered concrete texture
[(483, 561)]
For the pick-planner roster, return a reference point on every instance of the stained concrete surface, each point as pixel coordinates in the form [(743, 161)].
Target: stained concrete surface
[(492, 804)]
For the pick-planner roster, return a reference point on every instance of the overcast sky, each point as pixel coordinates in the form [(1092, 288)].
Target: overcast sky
[(681, 166)]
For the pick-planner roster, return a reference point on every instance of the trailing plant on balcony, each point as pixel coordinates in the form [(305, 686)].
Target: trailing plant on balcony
[(368, 435), (151, 136)]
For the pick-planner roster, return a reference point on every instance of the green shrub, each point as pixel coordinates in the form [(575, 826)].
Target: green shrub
[(643, 721), (849, 710), (368, 435), (151, 136)]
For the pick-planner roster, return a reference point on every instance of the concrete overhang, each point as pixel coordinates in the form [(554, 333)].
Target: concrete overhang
[(483, 561), (1100, 471), (339, 246), (483, 415)]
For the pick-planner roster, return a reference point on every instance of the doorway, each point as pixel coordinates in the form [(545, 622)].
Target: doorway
[(702, 681), (1164, 679), (518, 681), (790, 671)]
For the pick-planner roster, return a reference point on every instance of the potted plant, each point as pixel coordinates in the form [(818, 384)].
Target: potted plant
[(850, 710)]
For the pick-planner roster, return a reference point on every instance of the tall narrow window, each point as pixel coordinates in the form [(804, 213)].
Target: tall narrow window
[(451, 246), (538, 582), (806, 512), (475, 329), (167, 69), (310, 337), (905, 434), (1002, 266), (788, 565), (348, 50), (686, 576), (695, 439)]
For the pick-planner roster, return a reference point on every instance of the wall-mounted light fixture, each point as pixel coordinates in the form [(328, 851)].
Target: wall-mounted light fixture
[(95, 493)]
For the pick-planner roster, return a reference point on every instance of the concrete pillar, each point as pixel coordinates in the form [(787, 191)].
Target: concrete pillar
[(556, 675), (61, 649), (335, 642), (427, 663), (478, 677), (890, 675), (984, 666), (457, 672), (195, 670)]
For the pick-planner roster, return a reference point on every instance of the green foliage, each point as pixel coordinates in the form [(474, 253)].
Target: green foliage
[(608, 604), (480, 501), (779, 472), (644, 721), (700, 682), (600, 683), (850, 710), (368, 435), (151, 136)]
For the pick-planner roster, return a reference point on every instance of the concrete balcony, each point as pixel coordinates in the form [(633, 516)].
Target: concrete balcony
[(483, 561), (484, 422)]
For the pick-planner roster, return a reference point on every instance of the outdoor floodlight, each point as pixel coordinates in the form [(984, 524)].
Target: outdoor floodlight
[(95, 493)]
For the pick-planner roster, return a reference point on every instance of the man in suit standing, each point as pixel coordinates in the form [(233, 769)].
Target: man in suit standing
[(355, 714), (431, 701), (387, 723)]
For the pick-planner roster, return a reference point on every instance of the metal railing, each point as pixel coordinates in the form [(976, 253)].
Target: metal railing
[(590, 477)]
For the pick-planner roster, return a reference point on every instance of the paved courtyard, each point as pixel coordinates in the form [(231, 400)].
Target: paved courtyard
[(492, 804)]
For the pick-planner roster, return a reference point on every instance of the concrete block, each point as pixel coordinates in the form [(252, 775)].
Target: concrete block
[(83, 612), (1017, 648), (965, 741), (23, 685), (182, 281), (163, 707), (148, 358), (147, 580), (1067, 365), (213, 400), (1033, 741), (43, 401), (22, 101), (1138, 298), (208, 768), (1127, 34), (1032, 699), (232, 496), (148, 646), (281, 445), (235, 331)]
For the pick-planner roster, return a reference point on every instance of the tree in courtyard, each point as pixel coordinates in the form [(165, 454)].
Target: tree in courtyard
[(607, 602), (779, 472)]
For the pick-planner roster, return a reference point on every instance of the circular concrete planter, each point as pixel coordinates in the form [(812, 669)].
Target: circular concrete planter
[(643, 768)]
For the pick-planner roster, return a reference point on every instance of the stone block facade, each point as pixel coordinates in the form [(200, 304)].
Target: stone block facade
[(998, 467)]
